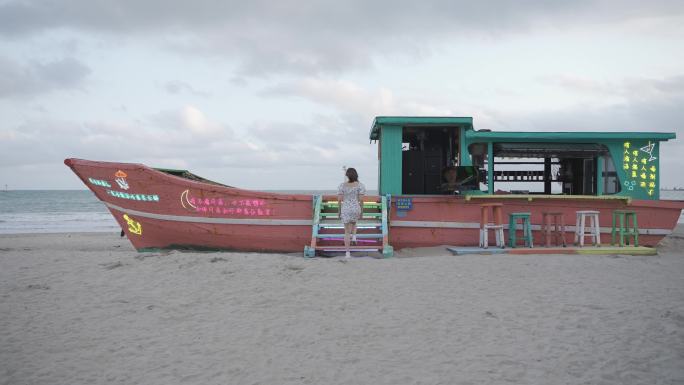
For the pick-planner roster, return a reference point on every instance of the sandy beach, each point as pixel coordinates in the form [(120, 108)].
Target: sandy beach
[(88, 309)]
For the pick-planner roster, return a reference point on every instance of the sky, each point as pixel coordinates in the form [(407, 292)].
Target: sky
[(282, 94)]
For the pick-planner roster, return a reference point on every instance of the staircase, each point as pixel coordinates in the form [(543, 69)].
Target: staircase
[(327, 230)]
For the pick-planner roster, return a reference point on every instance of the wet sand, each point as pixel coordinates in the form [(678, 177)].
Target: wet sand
[(87, 308)]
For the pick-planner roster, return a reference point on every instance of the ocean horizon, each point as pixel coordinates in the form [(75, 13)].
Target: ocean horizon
[(67, 211)]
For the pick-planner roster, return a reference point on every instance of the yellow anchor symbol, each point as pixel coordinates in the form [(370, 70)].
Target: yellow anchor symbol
[(133, 226)]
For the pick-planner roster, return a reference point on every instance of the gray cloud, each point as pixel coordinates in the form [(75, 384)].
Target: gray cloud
[(185, 138), (175, 87), (34, 78), (314, 37), (650, 105), (628, 88), (644, 104)]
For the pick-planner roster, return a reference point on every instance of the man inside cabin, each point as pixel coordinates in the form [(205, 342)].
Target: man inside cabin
[(457, 178), (449, 180)]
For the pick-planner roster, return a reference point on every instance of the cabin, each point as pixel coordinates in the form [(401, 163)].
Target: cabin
[(446, 155)]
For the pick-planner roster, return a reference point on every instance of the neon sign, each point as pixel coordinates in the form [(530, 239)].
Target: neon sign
[(134, 197), (640, 167), (122, 183), (133, 226), (230, 207), (99, 182)]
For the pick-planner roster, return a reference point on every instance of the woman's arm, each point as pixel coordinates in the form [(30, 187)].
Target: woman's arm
[(340, 199)]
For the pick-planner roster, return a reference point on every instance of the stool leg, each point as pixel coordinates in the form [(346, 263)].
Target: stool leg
[(594, 233), (511, 233), (583, 227), (629, 229), (582, 220), (544, 235), (481, 237), (597, 228), (562, 222), (556, 228), (636, 230), (496, 237), (484, 217), (546, 223), (624, 222), (484, 211), (497, 234)]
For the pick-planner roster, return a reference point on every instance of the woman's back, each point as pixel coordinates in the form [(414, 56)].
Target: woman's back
[(351, 191)]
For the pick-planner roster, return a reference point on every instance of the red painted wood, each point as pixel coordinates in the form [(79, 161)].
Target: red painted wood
[(292, 238)]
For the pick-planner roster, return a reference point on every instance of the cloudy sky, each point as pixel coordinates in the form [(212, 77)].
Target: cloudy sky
[(281, 94)]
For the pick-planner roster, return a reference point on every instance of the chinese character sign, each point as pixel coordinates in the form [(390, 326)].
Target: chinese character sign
[(639, 162)]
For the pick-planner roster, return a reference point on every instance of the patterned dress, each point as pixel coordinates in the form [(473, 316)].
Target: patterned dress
[(352, 193)]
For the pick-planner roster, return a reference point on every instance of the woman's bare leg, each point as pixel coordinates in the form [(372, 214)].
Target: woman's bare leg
[(353, 231), (347, 230)]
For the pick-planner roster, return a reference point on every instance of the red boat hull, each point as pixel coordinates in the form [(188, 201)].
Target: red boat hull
[(161, 211)]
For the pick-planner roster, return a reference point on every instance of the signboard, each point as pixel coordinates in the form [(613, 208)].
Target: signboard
[(640, 166), (404, 204)]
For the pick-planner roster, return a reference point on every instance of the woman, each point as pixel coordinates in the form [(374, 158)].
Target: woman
[(350, 195)]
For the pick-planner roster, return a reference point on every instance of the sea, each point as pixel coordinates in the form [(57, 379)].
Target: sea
[(63, 211)]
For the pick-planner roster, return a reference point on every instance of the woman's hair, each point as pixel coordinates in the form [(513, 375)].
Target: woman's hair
[(352, 175)]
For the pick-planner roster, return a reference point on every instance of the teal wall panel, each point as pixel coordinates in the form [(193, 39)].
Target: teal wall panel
[(391, 159)]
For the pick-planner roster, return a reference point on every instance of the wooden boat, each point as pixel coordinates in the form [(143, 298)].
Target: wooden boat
[(167, 209)]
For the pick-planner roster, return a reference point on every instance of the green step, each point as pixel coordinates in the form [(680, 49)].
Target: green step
[(374, 217), (339, 225), (359, 236), (365, 215), (366, 205)]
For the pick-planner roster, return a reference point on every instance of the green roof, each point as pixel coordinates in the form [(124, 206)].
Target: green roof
[(417, 121), (510, 136), (577, 136)]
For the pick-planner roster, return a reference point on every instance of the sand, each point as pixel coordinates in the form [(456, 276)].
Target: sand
[(88, 309)]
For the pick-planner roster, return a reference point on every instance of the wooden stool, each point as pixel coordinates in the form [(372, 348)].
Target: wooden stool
[(594, 229), (557, 230), (526, 227), (625, 230), (497, 224)]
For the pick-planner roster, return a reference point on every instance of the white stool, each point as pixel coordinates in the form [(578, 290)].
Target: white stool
[(594, 229), (499, 235), (496, 224)]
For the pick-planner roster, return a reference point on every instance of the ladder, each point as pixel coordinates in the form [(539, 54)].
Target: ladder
[(327, 230)]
